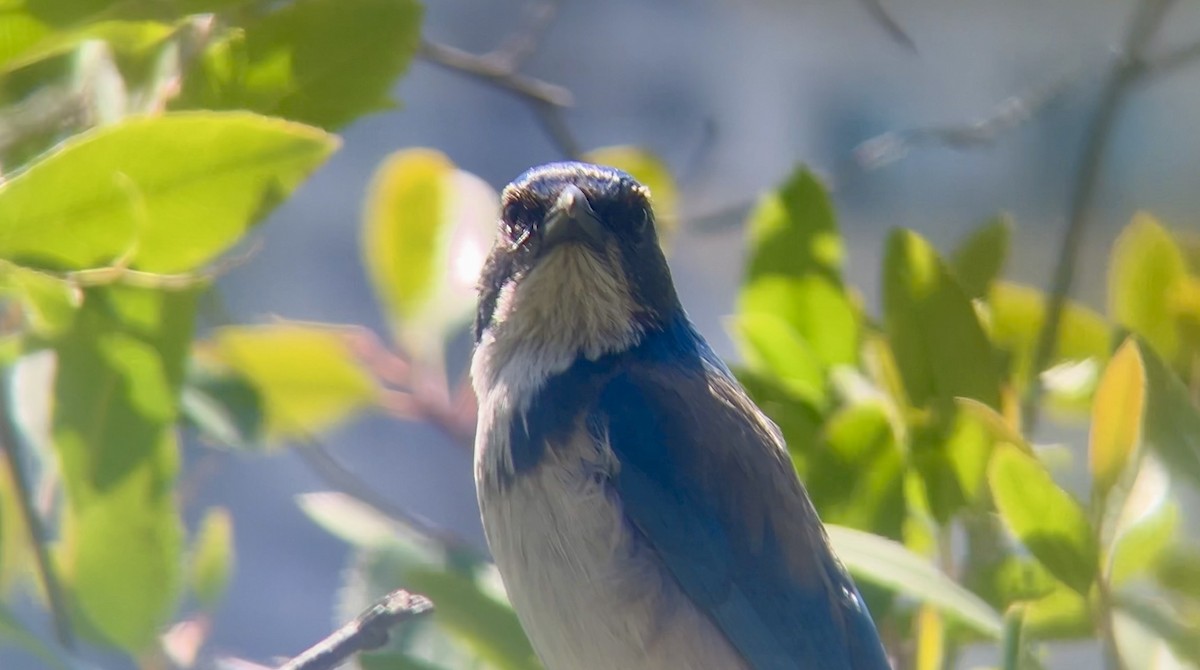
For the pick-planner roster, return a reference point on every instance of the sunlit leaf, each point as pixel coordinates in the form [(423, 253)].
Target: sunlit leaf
[(1017, 313), (1145, 266), (162, 194), (324, 62), (1025, 494), (307, 377), (1178, 570), (1116, 417), (882, 561), (212, 556), (653, 173), (1063, 614), (980, 258), (997, 426), (1145, 524), (1172, 423), (489, 627), (1156, 615), (858, 468), (48, 302), (794, 269), (119, 373), (426, 232), (771, 347), (127, 37), (940, 348)]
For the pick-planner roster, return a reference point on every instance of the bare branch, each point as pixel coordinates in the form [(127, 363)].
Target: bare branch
[(1174, 59), (1011, 113), (370, 630), (1124, 73), (889, 24), (501, 68)]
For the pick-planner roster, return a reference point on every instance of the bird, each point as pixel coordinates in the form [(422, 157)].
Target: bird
[(642, 512)]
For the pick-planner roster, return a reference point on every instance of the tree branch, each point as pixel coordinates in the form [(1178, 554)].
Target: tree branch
[(501, 69), (33, 523), (1128, 69), (368, 631)]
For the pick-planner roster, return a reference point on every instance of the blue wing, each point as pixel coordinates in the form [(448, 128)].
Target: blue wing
[(704, 480)]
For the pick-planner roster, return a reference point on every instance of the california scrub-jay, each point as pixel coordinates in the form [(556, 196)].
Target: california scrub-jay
[(643, 513)]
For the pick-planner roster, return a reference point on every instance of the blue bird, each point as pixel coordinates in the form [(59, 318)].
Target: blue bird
[(643, 512)]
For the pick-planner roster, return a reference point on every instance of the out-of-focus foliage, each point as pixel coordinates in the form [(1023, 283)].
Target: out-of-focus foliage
[(144, 141)]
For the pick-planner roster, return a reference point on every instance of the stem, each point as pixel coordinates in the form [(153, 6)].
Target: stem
[(1128, 69), (33, 523)]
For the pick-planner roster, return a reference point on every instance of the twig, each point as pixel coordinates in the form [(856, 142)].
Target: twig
[(317, 457), (33, 523), (1011, 113), (501, 68), (1173, 59), (889, 24), (368, 631), (1126, 71)]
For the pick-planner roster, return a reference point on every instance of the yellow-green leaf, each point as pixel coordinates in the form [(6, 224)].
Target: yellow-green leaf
[(160, 194), (770, 347), (324, 62), (1047, 520), (307, 377), (980, 258), (940, 348), (1145, 267), (794, 269), (653, 173), (212, 556), (426, 233), (1017, 313), (1145, 525), (1116, 416), (1172, 425), (890, 564), (116, 396)]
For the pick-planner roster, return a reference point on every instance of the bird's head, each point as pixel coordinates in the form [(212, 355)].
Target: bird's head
[(576, 267)]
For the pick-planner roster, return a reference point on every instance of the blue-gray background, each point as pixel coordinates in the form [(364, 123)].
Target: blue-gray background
[(780, 82)]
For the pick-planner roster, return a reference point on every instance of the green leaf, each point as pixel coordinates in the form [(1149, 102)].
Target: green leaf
[(426, 232), (1156, 615), (979, 260), (1063, 614), (324, 62), (794, 269), (858, 469), (1145, 525), (1116, 417), (1172, 423), (225, 408), (160, 194), (1047, 520), (125, 37), (890, 564), (940, 347), (489, 627), (1017, 314), (653, 173), (772, 348), (48, 303), (212, 557), (307, 377), (1178, 571), (116, 394), (1145, 266)]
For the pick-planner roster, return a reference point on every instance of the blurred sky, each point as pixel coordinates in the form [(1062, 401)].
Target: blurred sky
[(778, 82)]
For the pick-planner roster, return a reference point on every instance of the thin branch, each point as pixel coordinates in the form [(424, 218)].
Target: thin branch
[(501, 69), (323, 464), (889, 24), (33, 523), (1126, 71), (370, 630), (522, 44), (1174, 59), (1010, 114)]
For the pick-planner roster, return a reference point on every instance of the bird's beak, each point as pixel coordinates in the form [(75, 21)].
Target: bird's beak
[(572, 219)]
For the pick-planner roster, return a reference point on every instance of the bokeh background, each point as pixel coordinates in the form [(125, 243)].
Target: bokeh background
[(733, 95)]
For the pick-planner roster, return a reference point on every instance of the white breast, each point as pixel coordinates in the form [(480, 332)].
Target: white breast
[(590, 596)]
